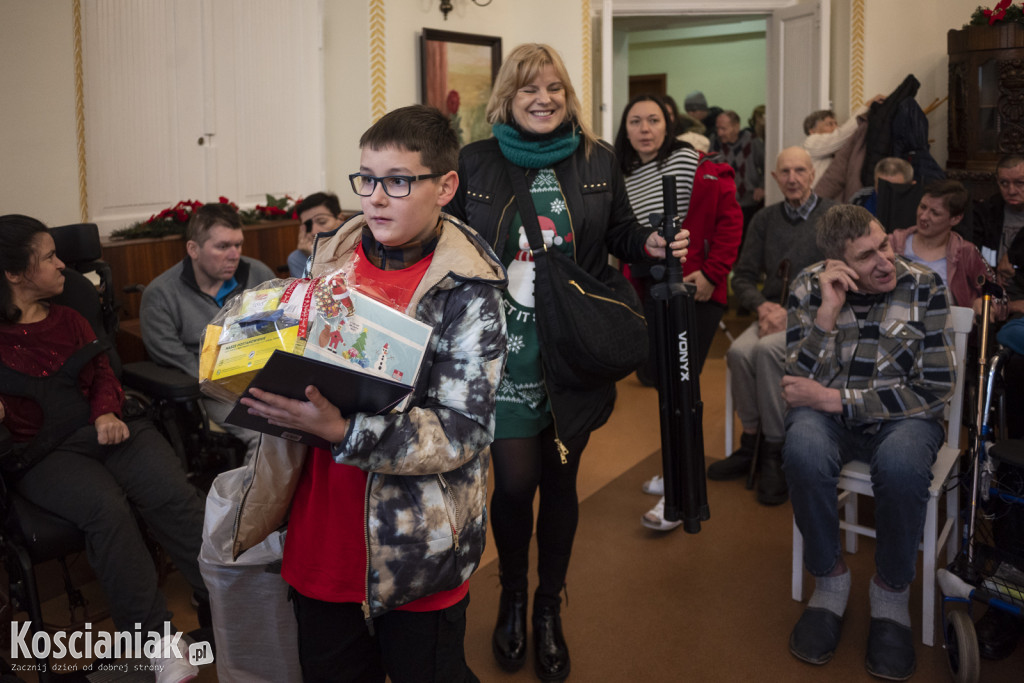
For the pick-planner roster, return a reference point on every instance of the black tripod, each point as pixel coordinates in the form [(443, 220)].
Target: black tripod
[(681, 410)]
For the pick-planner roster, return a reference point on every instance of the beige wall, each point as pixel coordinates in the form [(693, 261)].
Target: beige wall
[(901, 38), (348, 75), (38, 147), (38, 144)]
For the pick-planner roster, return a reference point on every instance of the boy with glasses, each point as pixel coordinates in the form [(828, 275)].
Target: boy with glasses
[(386, 527)]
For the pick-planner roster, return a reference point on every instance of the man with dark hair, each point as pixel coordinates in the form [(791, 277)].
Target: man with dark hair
[(870, 366), (821, 121), (319, 212), (825, 136), (745, 153), (177, 305)]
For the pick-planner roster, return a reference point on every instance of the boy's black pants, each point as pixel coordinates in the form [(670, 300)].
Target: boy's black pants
[(335, 645)]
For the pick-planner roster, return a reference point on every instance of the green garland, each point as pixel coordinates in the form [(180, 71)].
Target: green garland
[(982, 16), (173, 221)]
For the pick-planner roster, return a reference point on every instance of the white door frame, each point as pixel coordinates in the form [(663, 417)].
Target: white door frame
[(776, 11)]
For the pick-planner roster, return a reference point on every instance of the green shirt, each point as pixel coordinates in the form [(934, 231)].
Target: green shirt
[(522, 401)]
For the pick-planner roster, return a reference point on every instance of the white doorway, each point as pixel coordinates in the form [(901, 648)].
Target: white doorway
[(796, 57)]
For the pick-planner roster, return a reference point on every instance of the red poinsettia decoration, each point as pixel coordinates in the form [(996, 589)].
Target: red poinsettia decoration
[(275, 208), (174, 220), (179, 213), (998, 12), (1005, 12)]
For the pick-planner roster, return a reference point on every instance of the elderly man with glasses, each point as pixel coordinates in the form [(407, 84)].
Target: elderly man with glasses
[(998, 221)]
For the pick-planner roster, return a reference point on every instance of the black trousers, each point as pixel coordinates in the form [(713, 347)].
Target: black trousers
[(335, 645)]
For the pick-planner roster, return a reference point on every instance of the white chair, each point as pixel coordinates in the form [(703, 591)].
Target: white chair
[(855, 479), (729, 417)]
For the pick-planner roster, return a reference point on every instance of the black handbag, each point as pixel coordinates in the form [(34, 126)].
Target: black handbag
[(592, 329)]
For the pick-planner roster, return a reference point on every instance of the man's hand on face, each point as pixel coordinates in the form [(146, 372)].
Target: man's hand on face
[(835, 281)]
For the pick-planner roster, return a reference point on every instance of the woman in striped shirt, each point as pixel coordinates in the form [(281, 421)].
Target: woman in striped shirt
[(706, 196)]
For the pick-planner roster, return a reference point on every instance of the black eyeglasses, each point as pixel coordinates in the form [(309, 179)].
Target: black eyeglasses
[(395, 186)]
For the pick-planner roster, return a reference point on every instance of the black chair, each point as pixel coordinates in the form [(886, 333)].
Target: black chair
[(30, 536), (171, 398)]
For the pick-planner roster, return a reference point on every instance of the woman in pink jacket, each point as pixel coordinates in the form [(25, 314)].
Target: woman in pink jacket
[(932, 243)]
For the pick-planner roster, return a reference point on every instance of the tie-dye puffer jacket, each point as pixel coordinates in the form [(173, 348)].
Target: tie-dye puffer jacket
[(425, 505)]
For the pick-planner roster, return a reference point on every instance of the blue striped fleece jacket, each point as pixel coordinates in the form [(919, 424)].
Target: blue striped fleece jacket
[(896, 361)]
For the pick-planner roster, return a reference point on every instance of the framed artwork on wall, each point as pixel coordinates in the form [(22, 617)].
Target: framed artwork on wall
[(457, 72)]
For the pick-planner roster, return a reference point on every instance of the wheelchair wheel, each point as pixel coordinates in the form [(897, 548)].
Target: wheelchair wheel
[(962, 648)]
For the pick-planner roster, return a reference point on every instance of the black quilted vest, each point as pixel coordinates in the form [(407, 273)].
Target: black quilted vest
[(65, 408)]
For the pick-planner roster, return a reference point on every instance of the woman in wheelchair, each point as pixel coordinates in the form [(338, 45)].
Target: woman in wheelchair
[(74, 456)]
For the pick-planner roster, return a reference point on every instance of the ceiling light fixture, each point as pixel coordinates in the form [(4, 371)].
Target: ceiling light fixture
[(446, 6)]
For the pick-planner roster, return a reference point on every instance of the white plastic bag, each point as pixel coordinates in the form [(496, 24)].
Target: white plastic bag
[(253, 622)]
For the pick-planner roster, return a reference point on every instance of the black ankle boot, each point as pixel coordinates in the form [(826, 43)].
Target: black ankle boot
[(771, 483), (737, 465), (551, 654), (509, 640)]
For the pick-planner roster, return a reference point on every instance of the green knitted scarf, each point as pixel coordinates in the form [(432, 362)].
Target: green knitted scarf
[(537, 151)]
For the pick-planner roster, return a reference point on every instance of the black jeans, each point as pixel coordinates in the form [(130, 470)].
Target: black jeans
[(335, 645)]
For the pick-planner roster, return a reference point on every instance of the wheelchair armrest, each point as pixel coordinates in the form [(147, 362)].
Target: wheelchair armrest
[(6, 441), (160, 382)]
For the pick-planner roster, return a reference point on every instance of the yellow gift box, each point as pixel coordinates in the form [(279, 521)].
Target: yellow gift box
[(232, 366)]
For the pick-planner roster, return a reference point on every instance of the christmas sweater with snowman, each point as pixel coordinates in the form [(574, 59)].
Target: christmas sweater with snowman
[(522, 401)]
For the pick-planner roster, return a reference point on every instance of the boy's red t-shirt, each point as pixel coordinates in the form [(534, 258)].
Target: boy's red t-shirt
[(325, 549)]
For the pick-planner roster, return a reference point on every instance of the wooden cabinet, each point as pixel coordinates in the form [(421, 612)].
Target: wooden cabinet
[(137, 262), (986, 101)]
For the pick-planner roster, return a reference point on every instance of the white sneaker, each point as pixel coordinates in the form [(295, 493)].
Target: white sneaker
[(655, 518), (173, 669), (655, 486)]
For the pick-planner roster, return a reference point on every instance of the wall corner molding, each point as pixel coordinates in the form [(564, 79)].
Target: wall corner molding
[(378, 61), (83, 188), (588, 62), (857, 12)]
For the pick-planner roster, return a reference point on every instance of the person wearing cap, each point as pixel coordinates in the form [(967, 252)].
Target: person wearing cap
[(696, 105)]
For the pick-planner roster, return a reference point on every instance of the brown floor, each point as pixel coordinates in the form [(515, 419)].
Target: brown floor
[(650, 606)]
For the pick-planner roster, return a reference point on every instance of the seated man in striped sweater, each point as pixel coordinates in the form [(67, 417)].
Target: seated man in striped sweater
[(870, 366)]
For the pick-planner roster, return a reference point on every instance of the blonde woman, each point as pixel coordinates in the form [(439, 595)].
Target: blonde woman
[(540, 434)]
